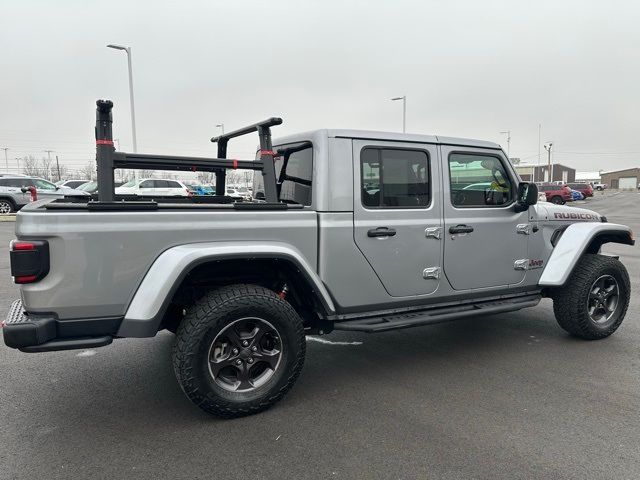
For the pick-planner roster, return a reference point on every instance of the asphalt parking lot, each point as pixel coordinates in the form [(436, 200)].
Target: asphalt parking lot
[(504, 396)]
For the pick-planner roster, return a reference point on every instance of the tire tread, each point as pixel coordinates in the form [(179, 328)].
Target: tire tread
[(207, 313)]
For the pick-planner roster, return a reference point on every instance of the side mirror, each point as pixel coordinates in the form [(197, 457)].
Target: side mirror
[(527, 196)]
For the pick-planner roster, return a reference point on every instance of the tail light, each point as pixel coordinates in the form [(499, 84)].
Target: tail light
[(29, 260), (189, 193)]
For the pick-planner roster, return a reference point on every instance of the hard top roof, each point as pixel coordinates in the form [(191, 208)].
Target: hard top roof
[(384, 136)]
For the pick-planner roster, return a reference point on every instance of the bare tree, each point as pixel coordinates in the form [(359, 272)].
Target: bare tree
[(88, 171), (30, 166), (36, 168), (61, 171), (206, 177), (147, 173)]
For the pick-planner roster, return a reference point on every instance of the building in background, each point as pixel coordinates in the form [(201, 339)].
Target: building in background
[(588, 177), (627, 179), (525, 172), (540, 173)]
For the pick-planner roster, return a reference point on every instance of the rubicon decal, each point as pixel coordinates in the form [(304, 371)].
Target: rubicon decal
[(576, 216)]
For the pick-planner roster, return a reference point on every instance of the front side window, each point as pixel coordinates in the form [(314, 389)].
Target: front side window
[(147, 184), (479, 181), (394, 178)]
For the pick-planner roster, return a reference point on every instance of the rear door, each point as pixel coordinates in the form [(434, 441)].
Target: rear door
[(397, 214), (174, 188), (150, 188), (12, 188), (484, 235)]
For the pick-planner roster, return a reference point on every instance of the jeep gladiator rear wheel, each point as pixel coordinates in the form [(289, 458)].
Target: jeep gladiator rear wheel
[(595, 299), (238, 350)]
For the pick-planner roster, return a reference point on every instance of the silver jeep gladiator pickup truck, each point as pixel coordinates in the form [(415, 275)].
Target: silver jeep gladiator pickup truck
[(350, 230)]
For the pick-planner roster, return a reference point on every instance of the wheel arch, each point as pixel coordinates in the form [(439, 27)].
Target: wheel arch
[(575, 241), (187, 269)]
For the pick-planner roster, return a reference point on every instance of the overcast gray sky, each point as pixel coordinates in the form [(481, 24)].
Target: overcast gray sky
[(468, 68)]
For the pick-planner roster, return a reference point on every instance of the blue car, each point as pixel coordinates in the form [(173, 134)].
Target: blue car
[(576, 195), (202, 190)]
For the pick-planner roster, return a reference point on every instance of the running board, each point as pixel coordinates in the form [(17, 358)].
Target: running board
[(436, 315)]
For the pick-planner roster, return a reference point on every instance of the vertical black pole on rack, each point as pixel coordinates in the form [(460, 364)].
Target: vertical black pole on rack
[(268, 167), (104, 150), (221, 174)]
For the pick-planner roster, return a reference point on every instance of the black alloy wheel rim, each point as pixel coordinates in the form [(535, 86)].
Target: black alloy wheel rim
[(603, 299), (245, 354)]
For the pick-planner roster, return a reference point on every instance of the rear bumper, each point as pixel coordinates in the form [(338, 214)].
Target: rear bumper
[(45, 333)]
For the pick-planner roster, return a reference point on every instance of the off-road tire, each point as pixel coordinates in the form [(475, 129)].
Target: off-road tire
[(570, 301), (557, 200), (208, 317), (6, 206)]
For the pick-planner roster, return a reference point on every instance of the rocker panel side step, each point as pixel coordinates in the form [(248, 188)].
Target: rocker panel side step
[(436, 315)]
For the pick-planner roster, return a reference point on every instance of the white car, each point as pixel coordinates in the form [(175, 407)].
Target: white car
[(71, 183), (239, 192), (154, 187)]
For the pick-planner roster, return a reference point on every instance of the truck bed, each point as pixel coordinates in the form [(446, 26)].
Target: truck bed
[(99, 258)]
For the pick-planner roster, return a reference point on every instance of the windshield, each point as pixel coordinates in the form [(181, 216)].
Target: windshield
[(43, 184), (130, 183), (88, 187)]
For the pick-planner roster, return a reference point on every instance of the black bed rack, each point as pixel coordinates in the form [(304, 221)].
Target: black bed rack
[(108, 159)]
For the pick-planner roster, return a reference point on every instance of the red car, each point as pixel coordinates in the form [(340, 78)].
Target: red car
[(558, 194), (584, 188)]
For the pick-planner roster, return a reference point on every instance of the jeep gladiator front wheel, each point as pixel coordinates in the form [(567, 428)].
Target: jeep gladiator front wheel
[(595, 299), (238, 350)]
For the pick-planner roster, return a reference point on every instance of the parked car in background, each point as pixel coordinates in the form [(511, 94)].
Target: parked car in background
[(201, 189), (584, 188), (576, 195), (92, 187), (599, 186), (154, 187), (89, 187), (71, 183), (558, 194), (12, 198)]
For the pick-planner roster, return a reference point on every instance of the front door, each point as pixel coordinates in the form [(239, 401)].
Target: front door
[(397, 214), (484, 235)]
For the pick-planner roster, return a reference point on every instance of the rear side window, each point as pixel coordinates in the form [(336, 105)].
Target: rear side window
[(394, 178), (172, 184), (15, 182), (479, 181), (294, 174)]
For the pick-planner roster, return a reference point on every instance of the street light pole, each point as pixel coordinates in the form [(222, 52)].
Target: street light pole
[(6, 159), (547, 147), (221, 126), (404, 111), (49, 152), (132, 103), (508, 132)]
